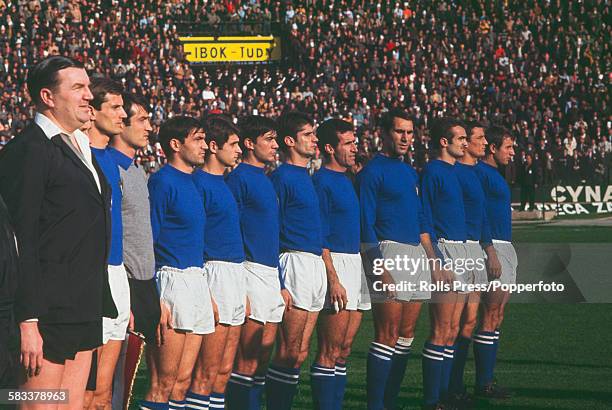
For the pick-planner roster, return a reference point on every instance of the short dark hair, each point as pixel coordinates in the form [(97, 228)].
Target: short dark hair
[(327, 132), (289, 124), (470, 125), (495, 136), (386, 120), (218, 128), (44, 74), (254, 126), (100, 87), (441, 128), (130, 102), (179, 128)]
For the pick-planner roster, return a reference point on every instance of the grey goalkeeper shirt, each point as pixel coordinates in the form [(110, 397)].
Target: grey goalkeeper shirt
[(138, 256)]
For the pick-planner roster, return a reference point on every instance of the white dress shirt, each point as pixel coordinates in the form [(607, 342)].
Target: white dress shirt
[(51, 129)]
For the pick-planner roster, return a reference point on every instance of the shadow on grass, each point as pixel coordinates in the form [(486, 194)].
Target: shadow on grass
[(560, 364), (531, 362), (562, 394)]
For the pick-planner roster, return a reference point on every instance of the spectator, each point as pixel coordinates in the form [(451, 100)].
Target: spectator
[(549, 174), (587, 165), (573, 167), (528, 177), (570, 143), (601, 171)]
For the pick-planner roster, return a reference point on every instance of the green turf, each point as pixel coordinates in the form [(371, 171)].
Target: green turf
[(559, 234), (553, 356)]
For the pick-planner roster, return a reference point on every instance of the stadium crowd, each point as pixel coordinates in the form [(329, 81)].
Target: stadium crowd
[(540, 68)]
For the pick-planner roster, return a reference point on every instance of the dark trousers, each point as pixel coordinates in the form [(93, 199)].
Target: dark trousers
[(9, 354), (527, 196)]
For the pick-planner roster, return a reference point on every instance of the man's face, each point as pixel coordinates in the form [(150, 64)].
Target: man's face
[(477, 143), (266, 147), (230, 152), (458, 143), (306, 142), (505, 152), (109, 119), (136, 135), (69, 100), (345, 152), (87, 126), (401, 136), (192, 151)]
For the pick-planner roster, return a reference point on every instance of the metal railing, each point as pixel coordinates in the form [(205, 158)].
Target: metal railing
[(229, 28)]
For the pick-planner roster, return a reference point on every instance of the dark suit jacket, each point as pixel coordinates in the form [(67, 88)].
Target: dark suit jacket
[(8, 286), (62, 223), (8, 268)]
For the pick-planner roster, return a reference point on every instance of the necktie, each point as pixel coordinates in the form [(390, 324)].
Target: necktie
[(71, 141)]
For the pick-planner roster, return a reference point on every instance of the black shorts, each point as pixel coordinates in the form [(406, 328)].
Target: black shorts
[(144, 301), (62, 341), (93, 372)]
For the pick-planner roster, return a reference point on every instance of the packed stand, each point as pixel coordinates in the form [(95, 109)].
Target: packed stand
[(541, 69)]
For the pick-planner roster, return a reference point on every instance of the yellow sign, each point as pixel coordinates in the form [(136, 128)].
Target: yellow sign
[(231, 49)]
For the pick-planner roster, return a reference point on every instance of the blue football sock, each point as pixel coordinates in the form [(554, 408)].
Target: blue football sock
[(433, 361), (151, 405), (217, 401), (497, 334), (340, 384), (281, 385), (259, 384), (176, 404), (398, 369), (462, 346), (378, 368), (238, 391), (194, 401), (323, 386), (484, 357), (447, 365)]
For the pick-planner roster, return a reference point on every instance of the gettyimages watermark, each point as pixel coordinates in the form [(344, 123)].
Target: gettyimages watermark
[(404, 263), (530, 272)]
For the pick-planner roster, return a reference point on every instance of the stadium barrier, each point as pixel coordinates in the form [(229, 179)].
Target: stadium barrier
[(570, 199)]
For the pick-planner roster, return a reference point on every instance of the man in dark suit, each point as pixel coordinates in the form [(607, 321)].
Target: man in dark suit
[(58, 200), (8, 287)]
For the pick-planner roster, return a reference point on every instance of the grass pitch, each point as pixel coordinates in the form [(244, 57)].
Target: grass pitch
[(553, 356)]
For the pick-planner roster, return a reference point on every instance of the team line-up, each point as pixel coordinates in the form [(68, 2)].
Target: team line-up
[(215, 268)]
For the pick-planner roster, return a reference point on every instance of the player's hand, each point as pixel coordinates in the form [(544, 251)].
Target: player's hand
[(131, 322), (445, 276), (387, 280), (493, 266), (247, 310), (165, 323), (287, 299), (337, 295), (215, 310), (31, 348)]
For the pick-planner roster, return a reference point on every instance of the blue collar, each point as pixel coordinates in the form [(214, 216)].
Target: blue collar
[(120, 158)]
